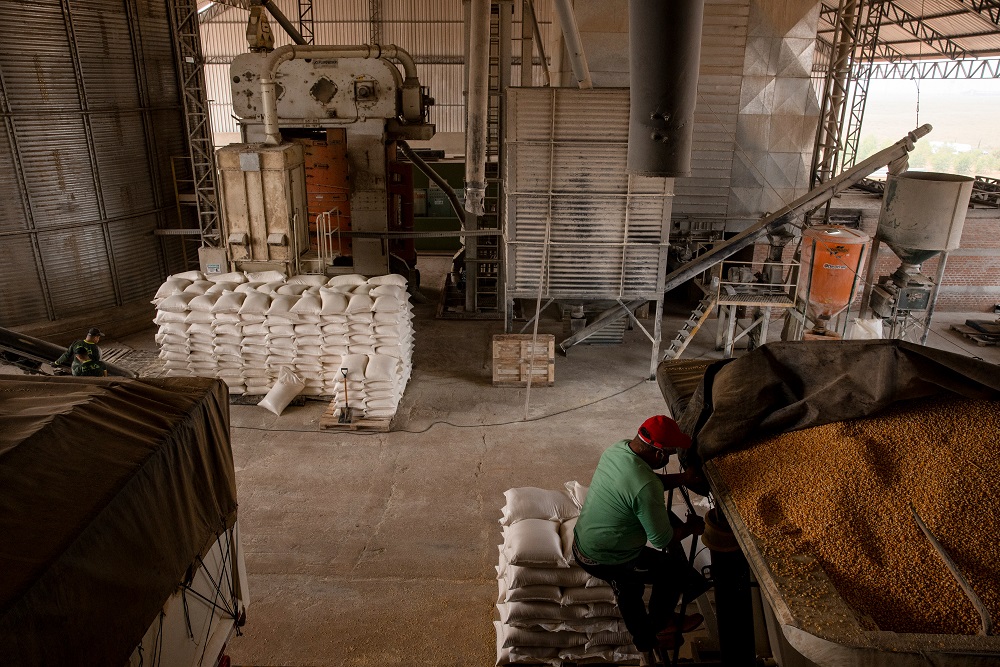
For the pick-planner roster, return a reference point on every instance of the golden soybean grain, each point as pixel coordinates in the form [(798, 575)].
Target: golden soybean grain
[(841, 494)]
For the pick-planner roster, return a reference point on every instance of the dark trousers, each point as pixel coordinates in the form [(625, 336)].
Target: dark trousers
[(669, 574)]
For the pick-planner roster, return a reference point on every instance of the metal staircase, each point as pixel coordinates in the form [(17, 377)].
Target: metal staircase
[(690, 328)]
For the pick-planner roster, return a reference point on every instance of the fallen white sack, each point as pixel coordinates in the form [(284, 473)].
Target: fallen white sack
[(288, 386), (529, 502)]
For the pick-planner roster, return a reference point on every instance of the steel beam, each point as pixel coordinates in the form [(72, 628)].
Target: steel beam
[(197, 116), (984, 68)]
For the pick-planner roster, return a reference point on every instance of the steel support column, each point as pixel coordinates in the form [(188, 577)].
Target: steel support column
[(197, 119), (307, 26)]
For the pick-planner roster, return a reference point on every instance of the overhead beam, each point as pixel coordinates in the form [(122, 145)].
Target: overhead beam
[(213, 12), (988, 9), (917, 26), (983, 68)]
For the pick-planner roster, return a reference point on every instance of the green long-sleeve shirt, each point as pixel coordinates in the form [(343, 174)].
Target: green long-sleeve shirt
[(624, 509)]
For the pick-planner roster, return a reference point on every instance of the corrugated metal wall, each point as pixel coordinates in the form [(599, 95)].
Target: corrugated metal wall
[(430, 30), (607, 231), (91, 117)]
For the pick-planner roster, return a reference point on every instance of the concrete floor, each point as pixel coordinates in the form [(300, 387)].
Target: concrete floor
[(380, 549)]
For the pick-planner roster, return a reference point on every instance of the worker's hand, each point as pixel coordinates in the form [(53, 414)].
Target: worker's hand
[(695, 525)]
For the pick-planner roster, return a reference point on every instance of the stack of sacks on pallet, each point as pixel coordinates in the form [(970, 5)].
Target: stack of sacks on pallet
[(550, 609), (244, 328)]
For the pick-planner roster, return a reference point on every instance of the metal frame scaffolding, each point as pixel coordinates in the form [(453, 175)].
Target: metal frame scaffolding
[(184, 23)]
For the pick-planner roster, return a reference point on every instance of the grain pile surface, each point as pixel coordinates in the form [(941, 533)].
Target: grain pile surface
[(841, 493)]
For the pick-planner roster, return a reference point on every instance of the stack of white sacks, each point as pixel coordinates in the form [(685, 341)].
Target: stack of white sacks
[(550, 609), (246, 328)]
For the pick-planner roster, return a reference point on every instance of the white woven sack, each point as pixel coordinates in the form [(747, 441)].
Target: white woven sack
[(535, 543), (287, 387), (236, 277), (190, 276), (282, 305), (308, 304), (280, 329), (247, 288), (230, 302), (281, 342), (387, 304), (351, 279), (314, 351), (359, 303), (292, 290), (577, 491), (334, 327), (355, 365), (222, 288), (569, 577), (199, 287), (229, 330), (227, 318), (265, 276), (566, 536), (232, 350), (533, 503), (200, 317), (177, 303), (584, 595), (391, 279), (523, 637), (200, 328), (254, 341), (308, 279), (166, 317), (308, 330), (389, 290), (365, 289), (174, 355), (381, 368), (170, 287), (527, 614), (361, 316), (271, 287), (255, 304), (387, 317), (257, 329), (528, 593)]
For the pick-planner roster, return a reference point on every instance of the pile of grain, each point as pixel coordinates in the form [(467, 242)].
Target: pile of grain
[(841, 493)]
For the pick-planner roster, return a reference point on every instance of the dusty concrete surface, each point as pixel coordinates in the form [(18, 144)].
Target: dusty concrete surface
[(380, 549)]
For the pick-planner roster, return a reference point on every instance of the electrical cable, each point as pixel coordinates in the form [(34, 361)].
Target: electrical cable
[(446, 422)]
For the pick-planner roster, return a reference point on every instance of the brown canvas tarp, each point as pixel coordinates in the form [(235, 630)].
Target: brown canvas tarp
[(109, 490), (788, 386)]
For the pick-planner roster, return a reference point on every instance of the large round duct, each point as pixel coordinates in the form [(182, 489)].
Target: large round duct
[(93, 117), (664, 53), (923, 214)]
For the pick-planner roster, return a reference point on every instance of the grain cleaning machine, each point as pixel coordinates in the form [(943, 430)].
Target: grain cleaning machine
[(832, 261), (316, 187), (922, 217)]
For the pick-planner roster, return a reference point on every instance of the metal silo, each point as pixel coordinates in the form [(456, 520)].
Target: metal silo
[(92, 116)]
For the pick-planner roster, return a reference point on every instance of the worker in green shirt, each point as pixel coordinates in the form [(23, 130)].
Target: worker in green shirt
[(83, 365), (624, 510), (88, 345)]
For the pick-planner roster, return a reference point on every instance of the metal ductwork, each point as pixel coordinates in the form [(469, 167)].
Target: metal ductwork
[(477, 105), (664, 52), (574, 43)]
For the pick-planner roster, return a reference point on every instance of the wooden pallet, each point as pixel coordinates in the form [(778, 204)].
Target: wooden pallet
[(330, 421), (515, 358), (976, 336)]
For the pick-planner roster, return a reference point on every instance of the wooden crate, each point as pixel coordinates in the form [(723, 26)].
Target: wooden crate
[(514, 357)]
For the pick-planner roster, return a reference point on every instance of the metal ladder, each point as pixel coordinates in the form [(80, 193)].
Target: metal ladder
[(690, 328)]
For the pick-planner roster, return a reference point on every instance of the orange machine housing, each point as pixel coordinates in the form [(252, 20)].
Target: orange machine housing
[(328, 185), (832, 259)]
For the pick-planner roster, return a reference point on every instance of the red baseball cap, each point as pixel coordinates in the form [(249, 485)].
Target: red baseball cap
[(663, 432)]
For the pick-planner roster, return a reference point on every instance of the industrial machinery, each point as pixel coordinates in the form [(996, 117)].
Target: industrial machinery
[(317, 187), (922, 216), (832, 261)]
